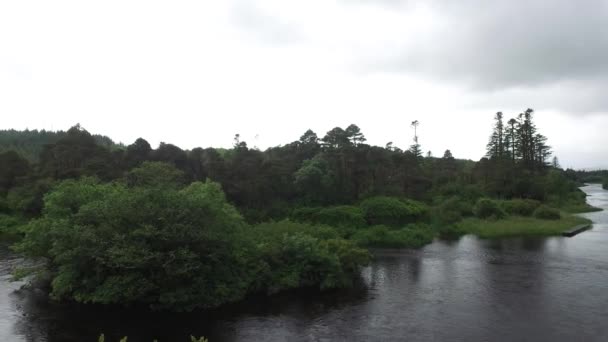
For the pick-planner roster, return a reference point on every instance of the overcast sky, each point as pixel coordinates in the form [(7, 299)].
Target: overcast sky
[(194, 73)]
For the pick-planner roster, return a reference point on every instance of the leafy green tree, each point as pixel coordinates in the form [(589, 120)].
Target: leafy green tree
[(155, 174), (77, 154), (137, 153), (314, 180), (168, 248)]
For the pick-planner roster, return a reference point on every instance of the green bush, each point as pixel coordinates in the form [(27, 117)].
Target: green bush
[(168, 248), (341, 216), (176, 249), (4, 208), (275, 231), (305, 214), (547, 213), (338, 216), (487, 208), (520, 207), (412, 236), (453, 210), (469, 193), (10, 226), (302, 255), (391, 211)]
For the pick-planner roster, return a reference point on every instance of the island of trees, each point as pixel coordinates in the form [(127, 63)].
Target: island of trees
[(183, 229)]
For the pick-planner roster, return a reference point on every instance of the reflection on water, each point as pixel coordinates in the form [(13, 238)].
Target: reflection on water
[(553, 289)]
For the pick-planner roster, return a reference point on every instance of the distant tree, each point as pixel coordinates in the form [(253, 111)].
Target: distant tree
[(448, 155), (309, 138), (526, 132), (336, 138), (415, 148), (172, 154), (137, 153), (511, 138), (496, 145), (541, 150), (354, 134), (238, 144), (555, 163), (77, 154), (12, 167), (155, 174)]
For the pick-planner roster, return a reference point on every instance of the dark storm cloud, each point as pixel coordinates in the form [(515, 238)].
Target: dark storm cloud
[(498, 44)]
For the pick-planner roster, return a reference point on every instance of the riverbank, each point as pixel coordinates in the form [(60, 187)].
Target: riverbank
[(518, 226)]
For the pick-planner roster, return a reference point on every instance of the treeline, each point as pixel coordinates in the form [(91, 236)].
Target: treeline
[(30, 143), (182, 229), (338, 168)]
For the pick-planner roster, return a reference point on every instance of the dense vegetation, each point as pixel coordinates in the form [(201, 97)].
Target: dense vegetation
[(184, 229)]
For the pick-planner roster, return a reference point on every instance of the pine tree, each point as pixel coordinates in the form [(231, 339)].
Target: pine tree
[(496, 145)]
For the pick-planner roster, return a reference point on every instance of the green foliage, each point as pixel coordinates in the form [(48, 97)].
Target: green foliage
[(27, 199), (10, 226), (167, 248), (391, 211), (518, 226), (487, 208), (314, 180), (338, 216), (412, 236), (155, 174), (521, 207), (13, 167), (546, 213), (297, 255), (467, 192), (30, 143), (452, 210), (174, 248)]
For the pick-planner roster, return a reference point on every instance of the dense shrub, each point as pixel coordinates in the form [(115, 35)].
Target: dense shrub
[(547, 213), (412, 236), (467, 192), (338, 216), (341, 216), (452, 210), (167, 248), (520, 207), (391, 211), (305, 214), (275, 231), (296, 255), (487, 208), (174, 248), (10, 226)]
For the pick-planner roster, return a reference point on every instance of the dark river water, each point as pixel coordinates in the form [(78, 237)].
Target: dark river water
[(550, 289)]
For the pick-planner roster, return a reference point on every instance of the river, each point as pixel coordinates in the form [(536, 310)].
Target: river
[(549, 289)]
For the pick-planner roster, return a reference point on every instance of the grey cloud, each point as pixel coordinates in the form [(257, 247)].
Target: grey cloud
[(500, 44)]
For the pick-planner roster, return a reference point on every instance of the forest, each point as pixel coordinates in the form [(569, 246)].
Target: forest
[(184, 229)]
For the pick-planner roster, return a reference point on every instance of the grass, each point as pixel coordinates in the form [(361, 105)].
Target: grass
[(580, 208), (411, 236), (518, 226)]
